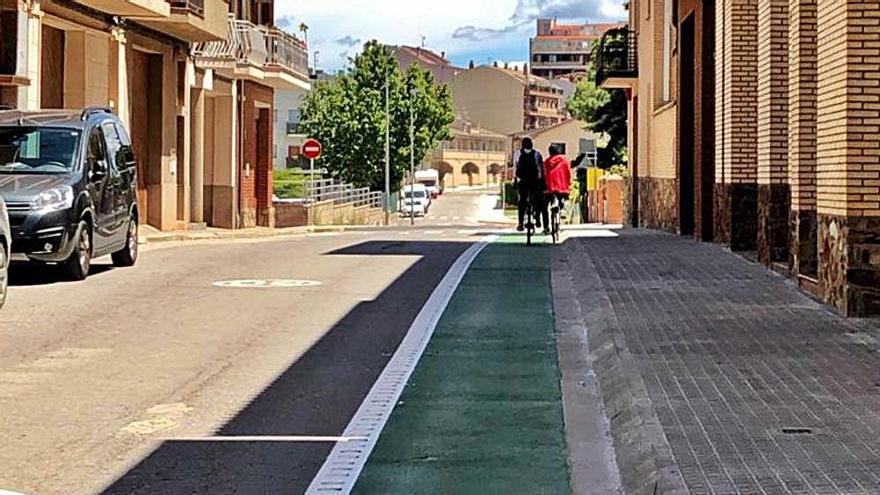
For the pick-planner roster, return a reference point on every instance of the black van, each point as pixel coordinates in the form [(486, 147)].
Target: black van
[(69, 180)]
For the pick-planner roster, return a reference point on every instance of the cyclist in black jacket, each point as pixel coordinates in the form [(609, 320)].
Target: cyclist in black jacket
[(530, 183)]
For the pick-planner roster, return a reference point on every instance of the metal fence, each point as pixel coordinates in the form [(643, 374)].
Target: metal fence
[(342, 194)]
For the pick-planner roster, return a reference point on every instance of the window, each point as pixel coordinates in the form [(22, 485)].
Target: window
[(127, 149), (32, 150), (293, 116), (667, 49), (560, 147), (114, 147)]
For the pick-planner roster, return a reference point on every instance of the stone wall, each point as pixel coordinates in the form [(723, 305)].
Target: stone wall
[(658, 208), (774, 202), (849, 263), (803, 240), (736, 216)]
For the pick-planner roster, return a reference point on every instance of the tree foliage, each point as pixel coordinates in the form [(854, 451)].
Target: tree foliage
[(604, 111), (348, 116)]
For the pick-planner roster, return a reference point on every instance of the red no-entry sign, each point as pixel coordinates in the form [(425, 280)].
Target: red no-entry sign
[(312, 149)]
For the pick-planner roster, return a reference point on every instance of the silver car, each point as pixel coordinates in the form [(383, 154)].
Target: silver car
[(5, 243)]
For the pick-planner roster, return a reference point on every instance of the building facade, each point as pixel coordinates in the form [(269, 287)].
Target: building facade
[(569, 136), (473, 157), (194, 128), (288, 136), (437, 64), (756, 124), (563, 50), (507, 101)]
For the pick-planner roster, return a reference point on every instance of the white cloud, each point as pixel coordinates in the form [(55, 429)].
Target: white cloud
[(482, 25)]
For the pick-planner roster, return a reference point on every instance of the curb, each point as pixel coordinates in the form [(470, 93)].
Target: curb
[(172, 237), (644, 457)]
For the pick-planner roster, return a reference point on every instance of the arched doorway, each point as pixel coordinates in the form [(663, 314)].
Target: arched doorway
[(445, 170), (494, 171), (471, 170)]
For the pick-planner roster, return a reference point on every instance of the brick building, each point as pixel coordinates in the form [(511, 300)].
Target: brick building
[(756, 124), (193, 127), (563, 50)]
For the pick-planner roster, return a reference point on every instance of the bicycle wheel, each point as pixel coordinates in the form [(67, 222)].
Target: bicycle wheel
[(554, 226), (530, 224)]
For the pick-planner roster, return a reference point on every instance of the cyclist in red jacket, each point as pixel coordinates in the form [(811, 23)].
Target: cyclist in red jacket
[(557, 176)]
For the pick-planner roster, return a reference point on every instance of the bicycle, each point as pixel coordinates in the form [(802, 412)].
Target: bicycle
[(556, 205), (530, 220)]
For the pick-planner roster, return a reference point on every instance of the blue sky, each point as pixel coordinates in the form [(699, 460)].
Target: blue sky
[(478, 30)]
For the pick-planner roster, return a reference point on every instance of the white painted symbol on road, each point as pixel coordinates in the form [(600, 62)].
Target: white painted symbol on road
[(270, 283)]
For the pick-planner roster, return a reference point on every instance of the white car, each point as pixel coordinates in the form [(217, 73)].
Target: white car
[(416, 200), (5, 245)]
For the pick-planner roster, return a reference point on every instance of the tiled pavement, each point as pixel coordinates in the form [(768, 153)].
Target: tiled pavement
[(755, 387)]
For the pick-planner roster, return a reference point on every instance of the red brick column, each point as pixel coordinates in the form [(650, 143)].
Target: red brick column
[(802, 137), (848, 154), (772, 139)]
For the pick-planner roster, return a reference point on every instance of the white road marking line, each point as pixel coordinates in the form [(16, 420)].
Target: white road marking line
[(433, 232), (270, 438), (343, 466)]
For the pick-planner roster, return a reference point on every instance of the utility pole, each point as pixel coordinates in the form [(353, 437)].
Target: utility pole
[(387, 150), (412, 156)]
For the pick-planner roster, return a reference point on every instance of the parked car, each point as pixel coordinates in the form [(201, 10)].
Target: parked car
[(70, 184), (5, 243), (416, 200)]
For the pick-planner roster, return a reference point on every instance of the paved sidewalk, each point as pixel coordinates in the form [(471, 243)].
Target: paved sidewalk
[(721, 377), (482, 413)]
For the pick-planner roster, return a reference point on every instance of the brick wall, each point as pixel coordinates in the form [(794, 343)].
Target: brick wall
[(802, 104), (772, 139), (848, 147), (737, 146)]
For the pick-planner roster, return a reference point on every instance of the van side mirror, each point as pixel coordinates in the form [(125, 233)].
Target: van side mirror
[(99, 170)]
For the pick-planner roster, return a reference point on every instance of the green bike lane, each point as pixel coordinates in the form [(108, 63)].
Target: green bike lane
[(482, 413)]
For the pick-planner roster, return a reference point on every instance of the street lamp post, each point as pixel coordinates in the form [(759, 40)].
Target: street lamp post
[(387, 151), (412, 157)]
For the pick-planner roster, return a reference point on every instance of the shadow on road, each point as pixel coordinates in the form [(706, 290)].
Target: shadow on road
[(24, 274), (316, 396)]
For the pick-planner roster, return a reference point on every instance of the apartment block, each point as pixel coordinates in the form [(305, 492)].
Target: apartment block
[(563, 50), (200, 131), (756, 124), (507, 101)]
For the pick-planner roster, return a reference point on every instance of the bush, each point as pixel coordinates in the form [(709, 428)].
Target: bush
[(511, 195), (290, 183)]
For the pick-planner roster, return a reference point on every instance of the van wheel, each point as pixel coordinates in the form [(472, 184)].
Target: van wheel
[(128, 255), (80, 262), (4, 274)]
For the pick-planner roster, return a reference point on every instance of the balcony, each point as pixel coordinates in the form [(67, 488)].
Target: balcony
[(294, 129), (262, 54), (192, 21), (617, 62), (131, 8)]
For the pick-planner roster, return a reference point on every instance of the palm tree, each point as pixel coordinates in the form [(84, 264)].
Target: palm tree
[(304, 29)]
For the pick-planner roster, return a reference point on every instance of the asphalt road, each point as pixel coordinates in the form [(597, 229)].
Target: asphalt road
[(154, 380)]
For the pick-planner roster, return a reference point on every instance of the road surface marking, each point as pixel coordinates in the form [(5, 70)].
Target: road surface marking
[(270, 438), (270, 283), (433, 232), (346, 461)]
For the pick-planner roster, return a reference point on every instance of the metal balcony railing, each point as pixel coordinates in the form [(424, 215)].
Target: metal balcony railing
[(287, 52), (196, 7), (617, 56), (294, 128), (260, 46)]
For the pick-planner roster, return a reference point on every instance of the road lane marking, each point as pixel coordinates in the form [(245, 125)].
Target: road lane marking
[(342, 467), (270, 438), (270, 283), (433, 232)]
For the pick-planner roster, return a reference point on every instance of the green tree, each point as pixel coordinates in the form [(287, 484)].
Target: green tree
[(604, 111), (348, 116)]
